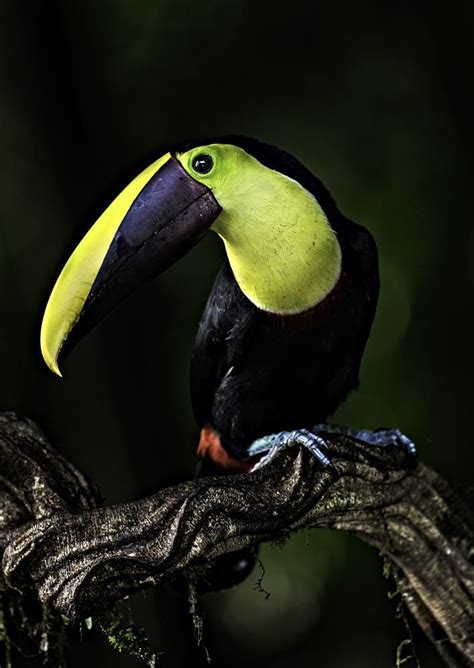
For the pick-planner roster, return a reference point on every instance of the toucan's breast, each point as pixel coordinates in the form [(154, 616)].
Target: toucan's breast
[(255, 373)]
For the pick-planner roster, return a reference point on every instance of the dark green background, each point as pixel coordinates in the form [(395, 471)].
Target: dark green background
[(377, 103)]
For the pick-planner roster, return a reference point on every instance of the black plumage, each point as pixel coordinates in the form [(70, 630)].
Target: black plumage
[(255, 373)]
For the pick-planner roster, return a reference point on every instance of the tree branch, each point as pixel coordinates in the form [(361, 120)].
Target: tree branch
[(80, 558)]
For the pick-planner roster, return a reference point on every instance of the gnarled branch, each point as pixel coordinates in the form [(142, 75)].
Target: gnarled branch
[(80, 558)]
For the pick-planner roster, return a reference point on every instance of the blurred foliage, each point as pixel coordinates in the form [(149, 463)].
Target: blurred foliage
[(378, 105)]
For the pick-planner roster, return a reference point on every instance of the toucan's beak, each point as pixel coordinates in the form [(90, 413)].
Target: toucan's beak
[(150, 225)]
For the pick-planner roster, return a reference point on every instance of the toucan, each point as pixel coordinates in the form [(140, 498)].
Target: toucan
[(282, 336)]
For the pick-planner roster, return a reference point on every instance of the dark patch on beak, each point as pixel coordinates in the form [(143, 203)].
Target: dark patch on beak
[(170, 215)]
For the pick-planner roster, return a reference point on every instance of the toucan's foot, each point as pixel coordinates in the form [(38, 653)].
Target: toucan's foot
[(210, 447), (271, 446), (379, 438)]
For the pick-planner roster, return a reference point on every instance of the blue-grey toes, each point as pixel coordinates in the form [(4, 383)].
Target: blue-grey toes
[(379, 438), (274, 444)]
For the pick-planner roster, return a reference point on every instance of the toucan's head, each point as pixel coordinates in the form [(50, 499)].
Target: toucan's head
[(272, 214)]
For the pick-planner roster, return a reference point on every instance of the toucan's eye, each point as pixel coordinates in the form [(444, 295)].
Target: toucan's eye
[(203, 163)]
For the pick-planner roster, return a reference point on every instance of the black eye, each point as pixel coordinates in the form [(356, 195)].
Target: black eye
[(203, 163)]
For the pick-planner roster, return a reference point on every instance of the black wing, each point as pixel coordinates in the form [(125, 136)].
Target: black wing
[(215, 348)]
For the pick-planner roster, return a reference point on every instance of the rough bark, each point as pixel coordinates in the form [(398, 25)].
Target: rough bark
[(79, 558)]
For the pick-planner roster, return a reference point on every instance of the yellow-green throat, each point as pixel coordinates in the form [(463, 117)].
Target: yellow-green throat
[(284, 254)]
